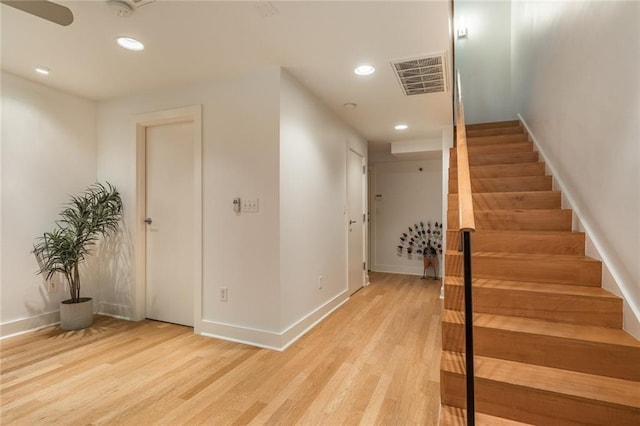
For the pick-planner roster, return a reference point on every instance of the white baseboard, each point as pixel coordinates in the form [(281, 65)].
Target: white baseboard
[(114, 310), (25, 325), (406, 270), (611, 279), (278, 341), (395, 269)]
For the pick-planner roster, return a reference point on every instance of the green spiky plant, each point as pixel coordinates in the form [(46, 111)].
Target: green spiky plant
[(92, 214)]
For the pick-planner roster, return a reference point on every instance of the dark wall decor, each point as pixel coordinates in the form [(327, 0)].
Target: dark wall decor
[(423, 243)]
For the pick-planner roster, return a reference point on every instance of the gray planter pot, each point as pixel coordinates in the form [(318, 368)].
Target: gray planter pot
[(76, 316)]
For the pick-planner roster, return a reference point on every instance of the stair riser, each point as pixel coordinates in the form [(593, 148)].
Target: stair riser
[(489, 159), (574, 355), (495, 132), (534, 406), (568, 272), (512, 184), (517, 220), (503, 170), (604, 312), (504, 242), (453, 416), (531, 200), (494, 125), (495, 148), (473, 141)]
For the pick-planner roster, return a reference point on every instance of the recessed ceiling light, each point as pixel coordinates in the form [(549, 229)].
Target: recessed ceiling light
[(349, 105), (364, 70), (42, 70), (130, 43), (401, 127)]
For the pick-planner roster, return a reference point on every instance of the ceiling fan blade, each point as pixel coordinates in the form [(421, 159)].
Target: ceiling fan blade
[(53, 12)]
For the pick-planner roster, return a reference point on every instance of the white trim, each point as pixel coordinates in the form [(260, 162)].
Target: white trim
[(399, 269), (122, 312), (26, 325), (140, 123), (363, 165), (371, 207), (278, 341), (303, 325), (447, 143), (596, 249)]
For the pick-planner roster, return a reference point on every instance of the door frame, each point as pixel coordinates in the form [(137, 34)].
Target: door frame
[(371, 208), (190, 114), (364, 212)]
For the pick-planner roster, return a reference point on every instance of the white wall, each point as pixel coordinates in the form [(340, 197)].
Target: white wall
[(240, 159), (54, 144), (48, 152), (483, 59), (266, 137), (313, 239), (408, 196), (575, 68), (447, 144)]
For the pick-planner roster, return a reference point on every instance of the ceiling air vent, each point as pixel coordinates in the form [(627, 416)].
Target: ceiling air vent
[(421, 75)]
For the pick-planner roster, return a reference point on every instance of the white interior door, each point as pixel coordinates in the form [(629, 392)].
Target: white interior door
[(356, 217), (169, 212)]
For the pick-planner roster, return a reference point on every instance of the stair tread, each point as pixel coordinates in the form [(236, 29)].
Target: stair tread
[(520, 169), (505, 184), (492, 125), (533, 287), (608, 390), (511, 193), (506, 156), (524, 233), (489, 166), (529, 256), (519, 210), (508, 178), (589, 333), (514, 130), (502, 179), (507, 143), (531, 200), (457, 416), (517, 219), (480, 148), (523, 241), (488, 140)]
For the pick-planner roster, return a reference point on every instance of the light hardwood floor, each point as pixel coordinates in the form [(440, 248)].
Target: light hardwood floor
[(373, 361)]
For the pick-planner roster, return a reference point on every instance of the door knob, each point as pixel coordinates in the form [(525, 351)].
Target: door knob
[(148, 220), (351, 222)]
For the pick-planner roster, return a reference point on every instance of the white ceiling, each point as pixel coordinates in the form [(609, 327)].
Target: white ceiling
[(318, 42)]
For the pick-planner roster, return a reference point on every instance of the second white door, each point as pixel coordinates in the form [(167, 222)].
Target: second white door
[(356, 217), (169, 212)]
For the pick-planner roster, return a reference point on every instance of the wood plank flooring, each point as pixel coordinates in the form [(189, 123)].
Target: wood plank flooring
[(373, 361)]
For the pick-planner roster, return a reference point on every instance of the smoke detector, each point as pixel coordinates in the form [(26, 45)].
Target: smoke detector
[(124, 8), (120, 8)]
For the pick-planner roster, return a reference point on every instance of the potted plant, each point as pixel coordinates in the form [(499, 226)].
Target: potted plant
[(92, 214)]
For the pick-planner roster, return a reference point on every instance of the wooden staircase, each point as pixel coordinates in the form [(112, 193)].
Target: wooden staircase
[(549, 347)]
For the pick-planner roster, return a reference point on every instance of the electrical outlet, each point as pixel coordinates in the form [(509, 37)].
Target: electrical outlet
[(223, 294), (52, 285), (320, 278)]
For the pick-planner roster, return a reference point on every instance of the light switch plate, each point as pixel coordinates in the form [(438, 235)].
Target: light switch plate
[(250, 205)]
